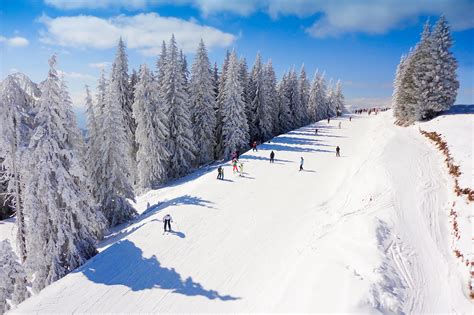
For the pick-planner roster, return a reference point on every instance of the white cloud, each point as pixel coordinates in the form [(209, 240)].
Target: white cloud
[(100, 65), (144, 32), (336, 17), (14, 41)]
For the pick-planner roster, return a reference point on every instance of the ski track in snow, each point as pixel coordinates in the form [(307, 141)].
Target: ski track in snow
[(366, 232)]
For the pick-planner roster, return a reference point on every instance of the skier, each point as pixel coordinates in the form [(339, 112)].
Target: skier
[(339, 125), (234, 166), (167, 219), (338, 151), (329, 119), (301, 164), (220, 173), (272, 157), (316, 131), (241, 166), (350, 118), (254, 146)]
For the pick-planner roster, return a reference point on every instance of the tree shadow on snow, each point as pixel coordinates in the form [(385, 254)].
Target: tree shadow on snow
[(123, 264)]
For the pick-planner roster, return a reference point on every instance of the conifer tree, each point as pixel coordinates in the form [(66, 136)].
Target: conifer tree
[(203, 102), (303, 92), (260, 119), (271, 96), (234, 120), (181, 143), (151, 133), (63, 223)]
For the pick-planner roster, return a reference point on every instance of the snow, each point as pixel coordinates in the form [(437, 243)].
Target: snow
[(367, 232)]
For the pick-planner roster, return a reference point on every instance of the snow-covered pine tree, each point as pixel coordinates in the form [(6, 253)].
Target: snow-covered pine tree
[(296, 107), (316, 99), (285, 116), (215, 81), (272, 96), (93, 139), (331, 100), (160, 67), (445, 80), (181, 143), (16, 115), (113, 166), (63, 224), (203, 102), (424, 75), (120, 93), (246, 81), (303, 92), (132, 84), (218, 109), (407, 97), (151, 132), (234, 121), (339, 98), (261, 119), (13, 281)]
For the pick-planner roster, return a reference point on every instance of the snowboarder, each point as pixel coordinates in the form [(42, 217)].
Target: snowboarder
[(254, 146), (339, 125), (272, 157), (220, 173), (301, 163), (234, 166), (338, 151), (167, 219), (241, 167)]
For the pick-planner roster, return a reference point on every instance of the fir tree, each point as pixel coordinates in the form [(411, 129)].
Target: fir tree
[(285, 116), (120, 93), (234, 121), (218, 109), (13, 281), (303, 93), (203, 102), (272, 96), (181, 143), (151, 132), (63, 222), (260, 117)]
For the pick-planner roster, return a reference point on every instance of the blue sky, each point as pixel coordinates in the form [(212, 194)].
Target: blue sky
[(358, 42)]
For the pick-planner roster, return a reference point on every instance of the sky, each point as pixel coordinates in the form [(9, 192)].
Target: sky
[(357, 42)]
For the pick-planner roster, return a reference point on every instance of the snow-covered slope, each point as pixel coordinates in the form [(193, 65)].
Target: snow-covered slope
[(366, 232)]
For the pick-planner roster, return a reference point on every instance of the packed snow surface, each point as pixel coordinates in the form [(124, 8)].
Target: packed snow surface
[(365, 232)]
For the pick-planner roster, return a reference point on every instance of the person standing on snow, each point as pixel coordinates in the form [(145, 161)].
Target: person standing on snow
[(241, 166), (329, 119), (167, 219), (220, 173), (316, 131), (272, 157), (338, 151), (234, 166), (301, 164), (339, 125), (254, 146)]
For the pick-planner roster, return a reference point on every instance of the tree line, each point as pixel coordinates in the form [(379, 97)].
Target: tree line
[(144, 129)]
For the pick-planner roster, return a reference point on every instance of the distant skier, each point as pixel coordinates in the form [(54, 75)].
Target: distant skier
[(301, 163), (338, 150), (329, 119), (167, 219), (254, 146), (272, 157), (234, 166), (241, 167), (350, 118), (220, 173), (316, 131), (339, 125)]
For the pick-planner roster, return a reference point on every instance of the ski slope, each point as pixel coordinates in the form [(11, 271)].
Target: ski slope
[(366, 232)]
